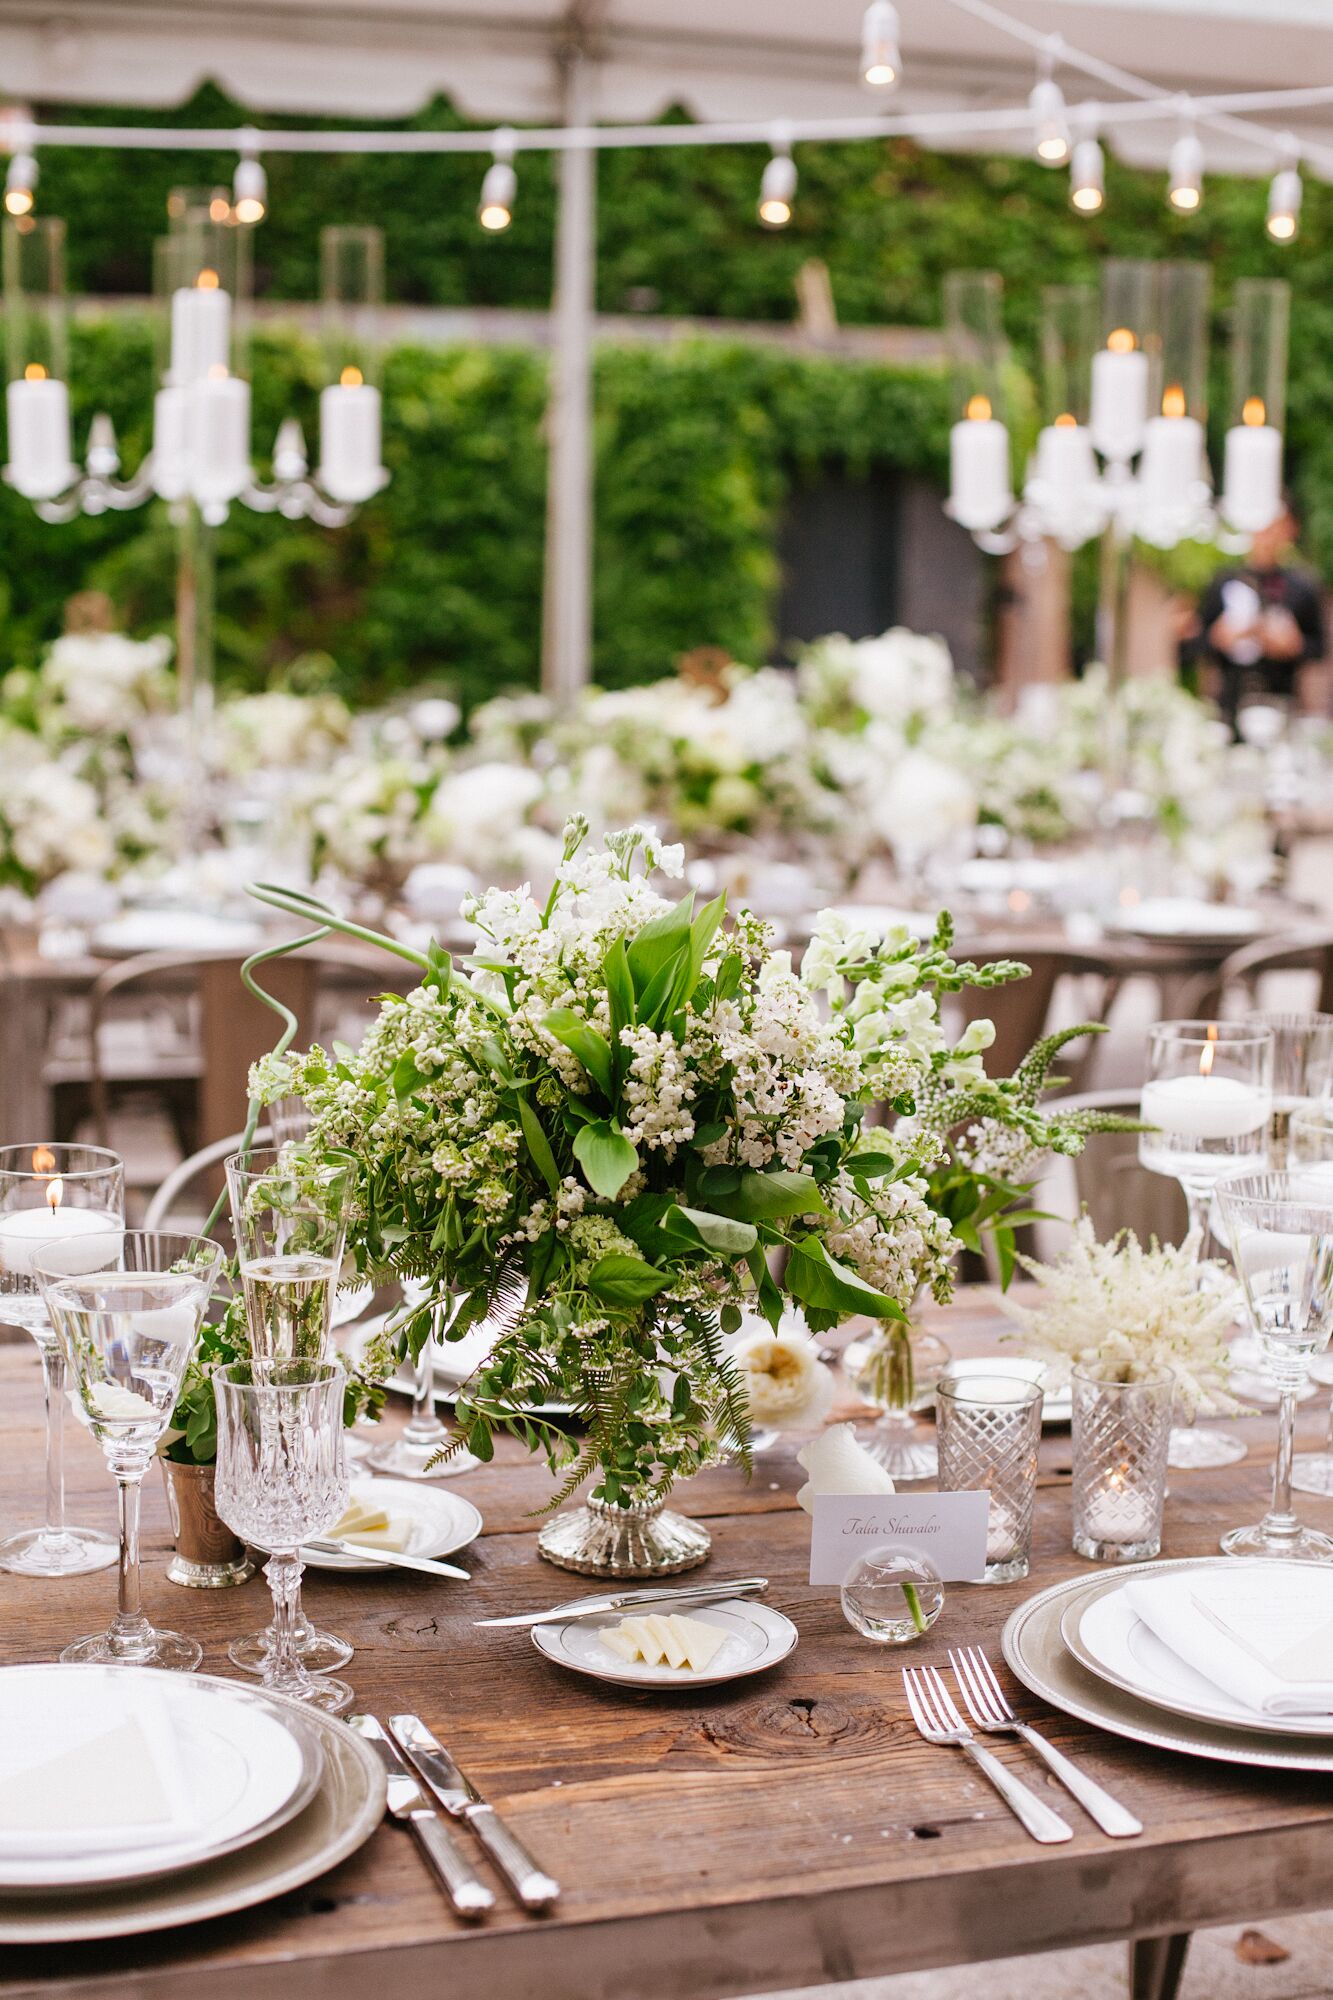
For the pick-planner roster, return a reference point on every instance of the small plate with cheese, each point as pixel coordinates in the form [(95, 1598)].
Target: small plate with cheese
[(400, 1516), (666, 1649)]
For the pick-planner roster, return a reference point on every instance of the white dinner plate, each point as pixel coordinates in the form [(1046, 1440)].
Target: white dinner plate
[(1107, 1637), (117, 1774), (439, 1521), (1056, 1404), (174, 930), (1186, 917), (757, 1638)]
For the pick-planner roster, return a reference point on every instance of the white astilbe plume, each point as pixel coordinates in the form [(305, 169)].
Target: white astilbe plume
[(1125, 1312)]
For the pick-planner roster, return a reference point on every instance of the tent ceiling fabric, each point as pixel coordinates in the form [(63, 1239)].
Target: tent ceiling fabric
[(722, 59)]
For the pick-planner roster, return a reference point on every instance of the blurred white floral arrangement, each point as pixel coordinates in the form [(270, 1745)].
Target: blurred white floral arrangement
[(1126, 1312)]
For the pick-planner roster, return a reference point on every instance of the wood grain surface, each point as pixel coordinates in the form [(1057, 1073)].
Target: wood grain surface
[(785, 1830)]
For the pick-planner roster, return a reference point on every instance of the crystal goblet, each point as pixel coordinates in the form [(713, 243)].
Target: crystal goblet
[(51, 1194), (1281, 1231), (289, 1214), (126, 1307), (1208, 1096), (1311, 1154), (281, 1481)]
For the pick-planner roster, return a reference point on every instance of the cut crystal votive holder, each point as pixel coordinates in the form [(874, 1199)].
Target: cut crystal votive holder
[(989, 1434), (1120, 1434)]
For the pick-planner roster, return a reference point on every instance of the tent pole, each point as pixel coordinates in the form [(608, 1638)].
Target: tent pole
[(567, 594)]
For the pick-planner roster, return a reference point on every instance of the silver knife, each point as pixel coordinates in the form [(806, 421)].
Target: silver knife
[(595, 1607), (428, 1565), (535, 1889), (408, 1803)]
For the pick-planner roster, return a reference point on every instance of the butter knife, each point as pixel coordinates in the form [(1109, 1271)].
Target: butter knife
[(408, 1803), (624, 1600), (428, 1565), (535, 1889)]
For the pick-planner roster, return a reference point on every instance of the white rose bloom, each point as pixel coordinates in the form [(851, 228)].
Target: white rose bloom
[(787, 1384)]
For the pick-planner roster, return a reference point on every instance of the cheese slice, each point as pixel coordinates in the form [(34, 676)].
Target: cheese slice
[(663, 1630), (358, 1519), (394, 1535), (620, 1643), (650, 1647), (697, 1641)]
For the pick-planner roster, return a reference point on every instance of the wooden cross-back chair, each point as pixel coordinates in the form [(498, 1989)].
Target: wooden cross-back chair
[(1237, 977)]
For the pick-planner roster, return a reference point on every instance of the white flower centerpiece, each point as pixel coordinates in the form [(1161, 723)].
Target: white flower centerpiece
[(596, 1132)]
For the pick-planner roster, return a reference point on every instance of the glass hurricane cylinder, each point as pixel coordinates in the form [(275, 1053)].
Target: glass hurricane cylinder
[(1120, 1433), (990, 1431)]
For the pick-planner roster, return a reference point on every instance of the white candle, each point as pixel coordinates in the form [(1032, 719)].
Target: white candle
[(26, 1232), (40, 458), (979, 495), (200, 332), (1064, 468), (171, 461), (1204, 1107), (1252, 477), (1119, 401), (1171, 465), (349, 441), (218, 433), (1120, 1512)]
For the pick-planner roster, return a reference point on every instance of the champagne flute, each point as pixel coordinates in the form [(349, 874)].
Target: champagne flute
[(1207, 1097), (126, 1306), (1281, 1231), (282, 1481), (51, 1194), (289, 1215)]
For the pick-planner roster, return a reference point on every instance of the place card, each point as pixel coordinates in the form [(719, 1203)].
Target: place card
[(947, 1528)]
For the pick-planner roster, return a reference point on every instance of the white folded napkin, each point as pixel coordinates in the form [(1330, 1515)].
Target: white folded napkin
[(1259, 1633), (91, 1768)]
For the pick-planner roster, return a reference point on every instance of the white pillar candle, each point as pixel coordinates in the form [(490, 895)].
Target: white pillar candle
[(40, 458), (1064, 468), (349, 441), (979, 495), (1119, 401), (171, 460), (200, 332), (1252, 477), (26, 1232), (1171, 465), (1121, 1512), (1204, 1107), (218, 434)]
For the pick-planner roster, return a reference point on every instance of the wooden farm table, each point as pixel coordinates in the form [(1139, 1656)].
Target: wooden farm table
[(782, 1831)]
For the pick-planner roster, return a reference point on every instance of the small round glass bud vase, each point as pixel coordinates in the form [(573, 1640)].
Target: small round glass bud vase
[(895, 1369), (892, 1596)]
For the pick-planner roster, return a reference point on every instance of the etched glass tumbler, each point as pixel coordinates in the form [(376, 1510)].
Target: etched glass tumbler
[(281, 1481), (1120, 1436), (990, 1430)]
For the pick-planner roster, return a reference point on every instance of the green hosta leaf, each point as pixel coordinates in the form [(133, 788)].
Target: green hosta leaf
[(715, 1232), (658, 941), (585, 1043), (406, 1076), (538, 1144), (618, 1280), (760, 1197), (768, 1295), (606, 1157), (820, 1280)]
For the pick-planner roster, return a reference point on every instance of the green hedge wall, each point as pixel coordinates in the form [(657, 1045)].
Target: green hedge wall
[(695, 445)]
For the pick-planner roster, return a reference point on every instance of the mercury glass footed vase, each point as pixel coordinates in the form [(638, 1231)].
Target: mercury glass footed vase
[(646, 1538)]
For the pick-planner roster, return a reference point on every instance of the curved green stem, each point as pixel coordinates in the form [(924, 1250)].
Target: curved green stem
[(295, 903)]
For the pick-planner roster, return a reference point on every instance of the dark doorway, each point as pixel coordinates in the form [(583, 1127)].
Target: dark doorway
[(839, 547)]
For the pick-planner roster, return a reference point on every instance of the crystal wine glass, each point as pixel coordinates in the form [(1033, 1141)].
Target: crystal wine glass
[(289, 1218), (1281, 1231), (1311, 1154), (1208, 1095), (52, 1194), (127, 1306), (282, 1480), (1302, 1059)]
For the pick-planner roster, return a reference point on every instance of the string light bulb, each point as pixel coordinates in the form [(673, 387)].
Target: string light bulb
[(1087, 177), (249, 189), (1050, 122), (20, 184), (1184, 175), (777, 190), (1285, 190), (495, 207), (881, 60)]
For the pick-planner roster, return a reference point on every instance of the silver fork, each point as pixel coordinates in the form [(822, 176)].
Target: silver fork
[(989, 1709), (939, 1722)]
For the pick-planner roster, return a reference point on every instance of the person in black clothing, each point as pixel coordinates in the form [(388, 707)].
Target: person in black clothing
[(1261, 623)]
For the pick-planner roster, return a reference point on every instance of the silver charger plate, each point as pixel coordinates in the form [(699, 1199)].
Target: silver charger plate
[(255, 1763), (1208, 1704), (1037, 1654), (347, 1806), (757, 1638)]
